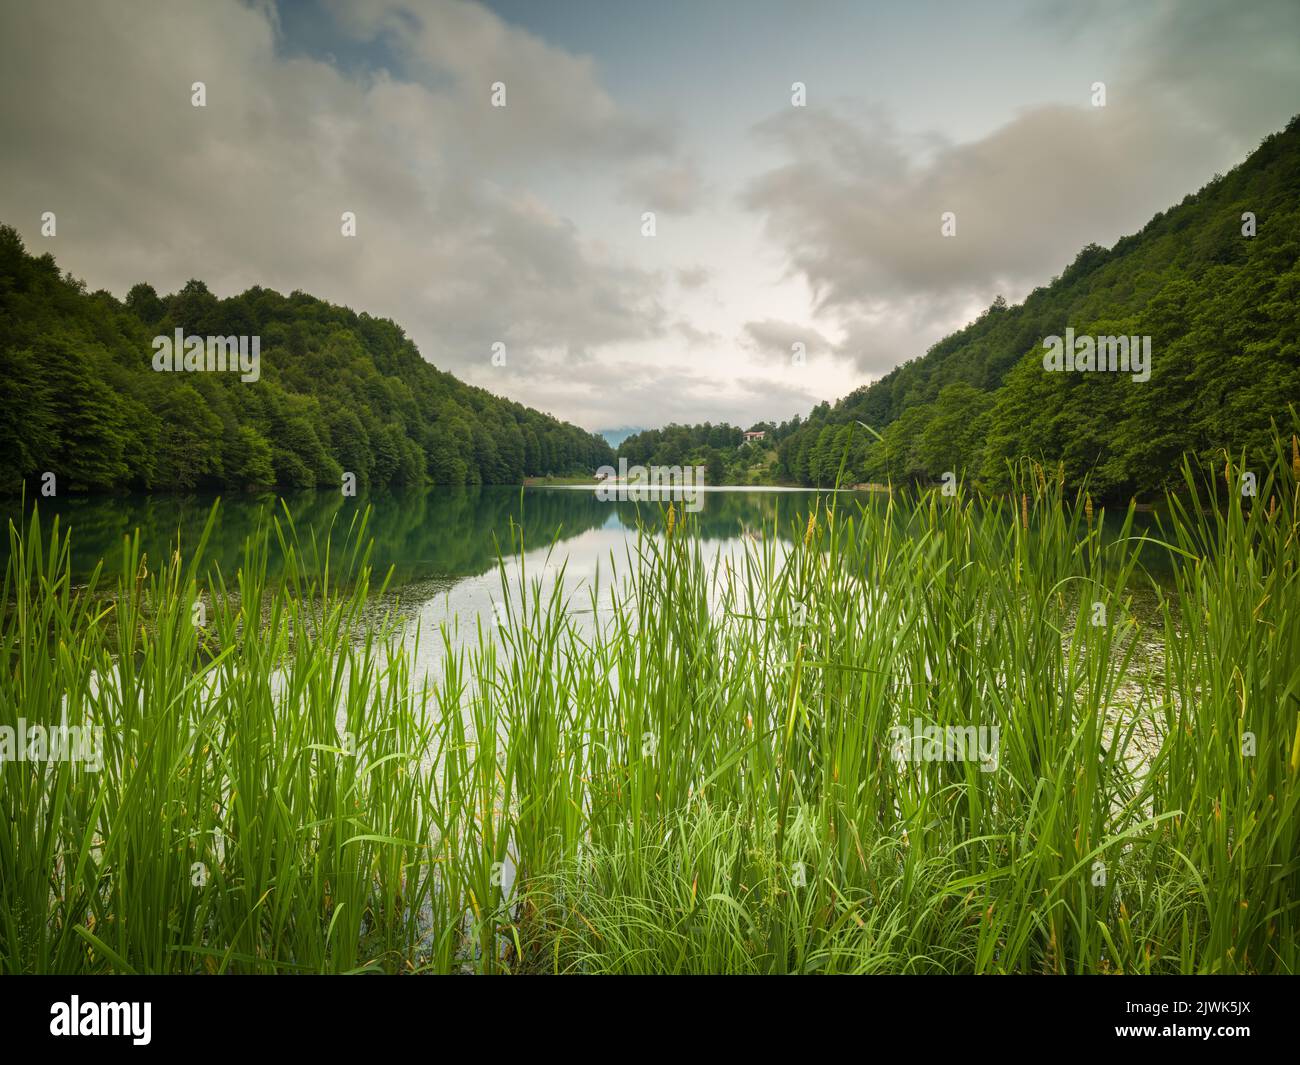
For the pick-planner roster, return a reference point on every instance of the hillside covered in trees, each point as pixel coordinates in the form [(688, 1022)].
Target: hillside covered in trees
[(336, 392), (721, 449), (1222, 309)]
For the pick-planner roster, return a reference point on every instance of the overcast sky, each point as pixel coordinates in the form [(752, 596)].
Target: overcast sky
[(774, 224)]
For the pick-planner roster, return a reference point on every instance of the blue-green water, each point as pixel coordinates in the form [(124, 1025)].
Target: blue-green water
[(433, 534), (441, 544)]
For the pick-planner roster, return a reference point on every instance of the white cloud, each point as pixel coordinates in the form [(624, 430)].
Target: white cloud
[(693, 276), (451, 242), (860, 216), (479, 224), (674, 189), (855, 204), (775, 339)]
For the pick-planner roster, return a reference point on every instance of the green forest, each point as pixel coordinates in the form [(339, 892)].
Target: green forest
[(345, 392), (338, 392), (1221, 309), (1223, 313), (721, 449)]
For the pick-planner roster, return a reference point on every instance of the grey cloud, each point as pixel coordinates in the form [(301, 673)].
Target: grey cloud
[(856, 205), (775, 339), (877, 341), (556, 109), (1026, 198), (249, 190), (634, 392), (695, 338), (771, 401), (673, 189), (1234, 68)]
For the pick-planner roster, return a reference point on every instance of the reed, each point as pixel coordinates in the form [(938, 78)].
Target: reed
[(693, 766)]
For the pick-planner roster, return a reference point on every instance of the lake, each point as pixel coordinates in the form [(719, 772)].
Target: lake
[(687, 735), (442, 543)]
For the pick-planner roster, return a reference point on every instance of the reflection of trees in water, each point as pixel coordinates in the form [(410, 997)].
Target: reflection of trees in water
[(423, 533), (724, 514), (420, 532)]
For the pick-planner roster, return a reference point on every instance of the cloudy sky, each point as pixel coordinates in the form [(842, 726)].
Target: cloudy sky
[(774, 224)]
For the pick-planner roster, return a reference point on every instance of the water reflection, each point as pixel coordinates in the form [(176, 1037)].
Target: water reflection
[(432, 534), (442, 543)]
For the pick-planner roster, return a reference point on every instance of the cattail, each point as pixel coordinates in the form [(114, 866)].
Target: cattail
[(812, 528), (1087, 508), (1295, 456), (1272, 507), (1227, 473), (672, 518), (1024, 509)]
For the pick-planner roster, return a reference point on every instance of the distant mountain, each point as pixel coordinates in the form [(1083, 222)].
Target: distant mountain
[(614, 437), (1219, 306), (95, 395)]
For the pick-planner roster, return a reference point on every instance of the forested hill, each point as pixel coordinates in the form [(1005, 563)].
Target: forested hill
[(335, 392), (1222, 310)]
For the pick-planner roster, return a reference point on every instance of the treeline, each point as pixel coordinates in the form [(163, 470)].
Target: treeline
[(1220, 306), (337, 392), (721, 449)]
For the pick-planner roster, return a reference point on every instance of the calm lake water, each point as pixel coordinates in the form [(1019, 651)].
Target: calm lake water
[(438, 534), (442, 543)]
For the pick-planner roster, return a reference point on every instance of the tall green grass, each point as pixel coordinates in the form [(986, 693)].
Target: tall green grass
[(688, 768)]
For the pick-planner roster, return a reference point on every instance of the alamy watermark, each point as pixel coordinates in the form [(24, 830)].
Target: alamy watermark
[(1087, 354), (639, 483), (946, 743), (181, 353), (77, 1018), (34, 742)]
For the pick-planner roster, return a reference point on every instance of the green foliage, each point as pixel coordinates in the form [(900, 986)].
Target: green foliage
[(1220, 309), (338, 391), (721, 449), (693, 768)]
